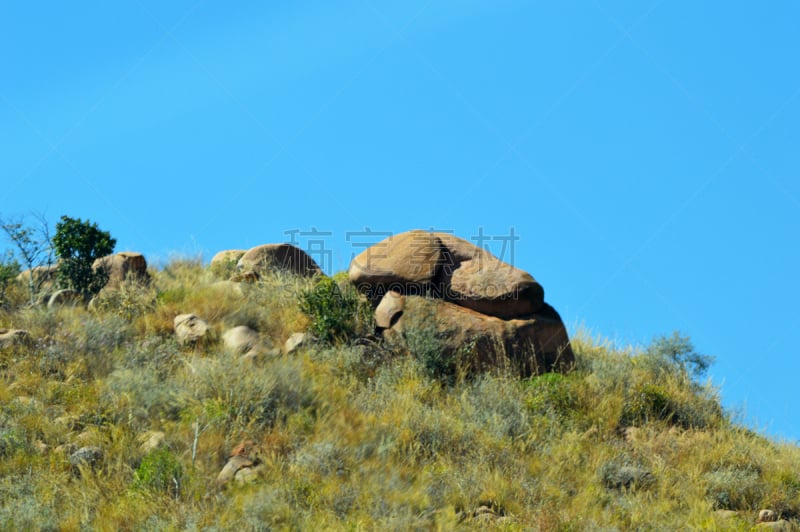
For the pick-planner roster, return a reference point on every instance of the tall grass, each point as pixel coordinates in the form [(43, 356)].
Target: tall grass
[(351, 434)]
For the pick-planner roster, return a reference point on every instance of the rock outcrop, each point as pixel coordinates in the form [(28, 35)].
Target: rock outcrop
[(121, 266), (448, 268), (482, 312), (277, 257)]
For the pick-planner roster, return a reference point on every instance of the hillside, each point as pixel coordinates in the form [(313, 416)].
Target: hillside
[(108, 421)]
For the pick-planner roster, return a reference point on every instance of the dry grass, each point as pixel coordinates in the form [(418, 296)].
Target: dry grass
[(353, 436)]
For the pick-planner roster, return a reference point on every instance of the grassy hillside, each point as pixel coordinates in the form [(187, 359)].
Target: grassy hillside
[(350, 436)]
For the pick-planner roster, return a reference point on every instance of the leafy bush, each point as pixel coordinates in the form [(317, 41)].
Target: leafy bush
[(78, 244), (9, 269), (159, 472), (676, 352), (335, 310)]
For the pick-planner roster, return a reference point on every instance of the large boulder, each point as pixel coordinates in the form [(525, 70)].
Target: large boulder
[(474, 341), (278, 257), (121, 266), (446, 267)]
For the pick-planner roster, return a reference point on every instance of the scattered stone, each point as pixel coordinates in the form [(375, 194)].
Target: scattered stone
[(150, 440), (123, 265), (189, 329), (278, 257), (89, 456), (9, 337), (64, 297), (235, 463), (765, 516), (41, 447), (240, 339), (295, 342)]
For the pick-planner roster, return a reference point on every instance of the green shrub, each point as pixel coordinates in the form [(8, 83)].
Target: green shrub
[(335, 310), (159, 472), (78, 244)]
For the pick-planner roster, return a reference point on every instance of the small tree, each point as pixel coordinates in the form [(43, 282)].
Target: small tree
[(78, 244), (34, 248), (678, 352), (9, 269)]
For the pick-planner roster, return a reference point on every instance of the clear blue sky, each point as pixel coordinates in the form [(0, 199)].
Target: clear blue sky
[(645, 153)]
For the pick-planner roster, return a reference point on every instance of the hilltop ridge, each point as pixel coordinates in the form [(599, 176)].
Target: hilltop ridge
[(111, 420)]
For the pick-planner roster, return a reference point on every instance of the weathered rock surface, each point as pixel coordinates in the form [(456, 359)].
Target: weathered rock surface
[(449, 268), (121, 266), (781, 525), (278, 257), (189, 329), (478, 342)]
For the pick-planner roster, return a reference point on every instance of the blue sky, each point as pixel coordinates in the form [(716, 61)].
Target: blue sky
[(645, 153)]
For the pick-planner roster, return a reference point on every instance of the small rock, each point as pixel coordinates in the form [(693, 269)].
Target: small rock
[(86, 457), (240, 339), (189, 329), (150, 440), (295, 342), (235, 463), (41, 447), (765, 516)]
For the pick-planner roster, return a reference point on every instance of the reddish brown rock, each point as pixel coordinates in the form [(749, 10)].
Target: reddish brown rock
[(446, 267), (477, 342)]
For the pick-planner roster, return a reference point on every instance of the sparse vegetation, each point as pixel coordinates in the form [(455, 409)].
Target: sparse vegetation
[(349, 434)]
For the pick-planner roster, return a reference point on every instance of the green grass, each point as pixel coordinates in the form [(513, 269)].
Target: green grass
[(351, 435)]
